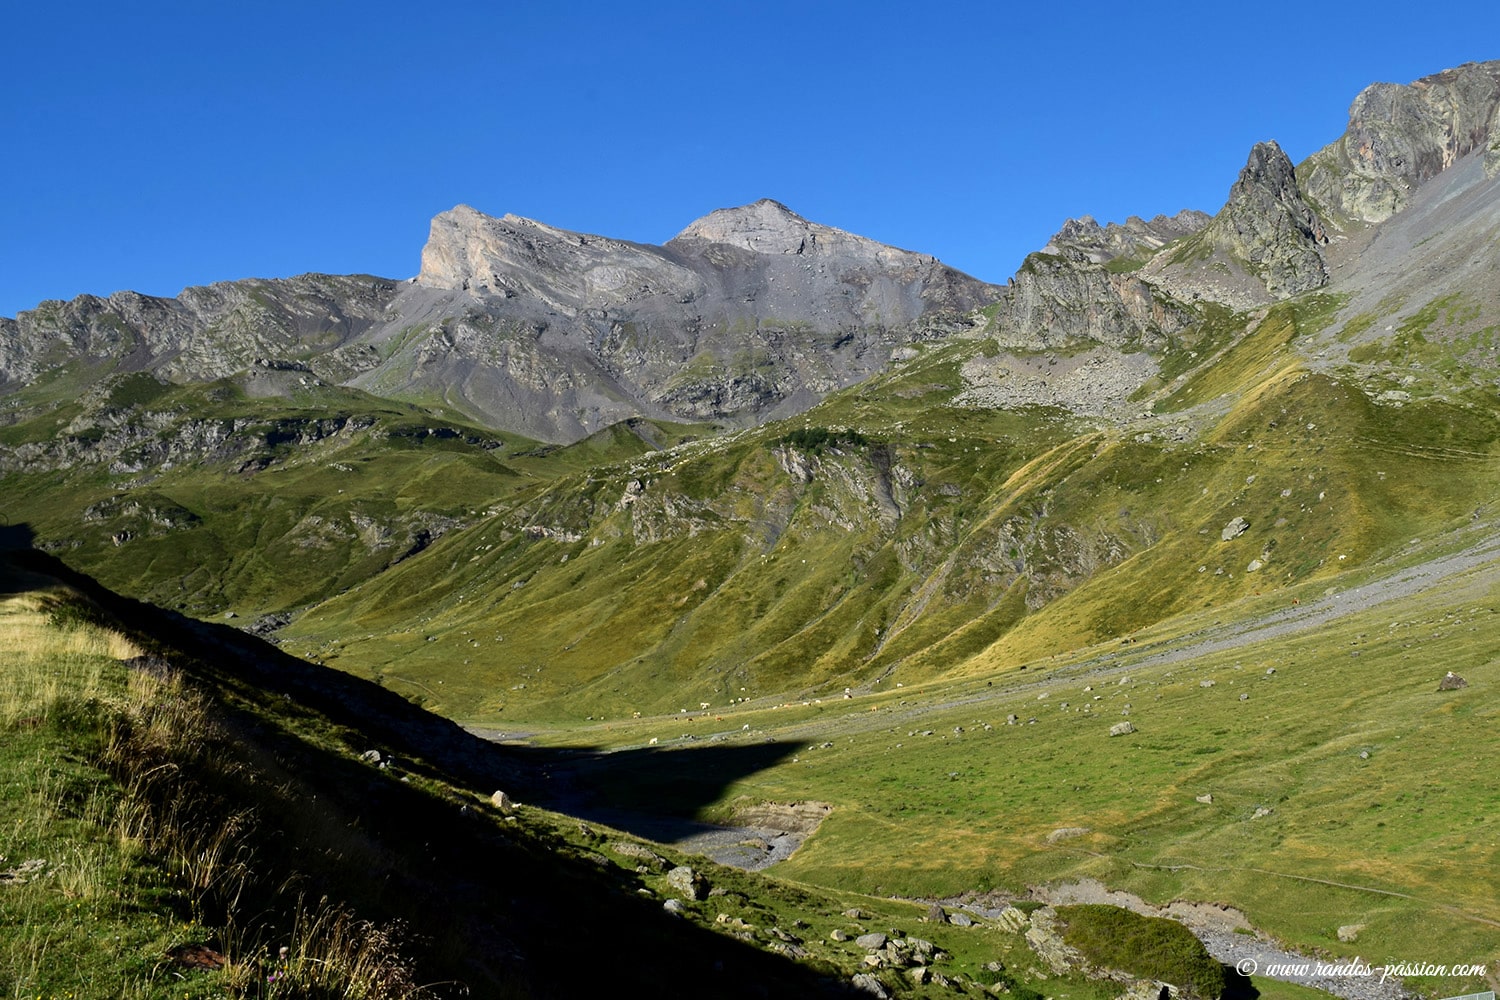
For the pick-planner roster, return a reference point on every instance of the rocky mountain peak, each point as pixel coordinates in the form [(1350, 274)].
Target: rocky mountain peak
[(1267, 224), (765, 226), (1400, 137), (1264, 244)]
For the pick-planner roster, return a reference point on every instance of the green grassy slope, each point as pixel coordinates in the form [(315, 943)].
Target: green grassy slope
[(888, 536), (1378, 790)]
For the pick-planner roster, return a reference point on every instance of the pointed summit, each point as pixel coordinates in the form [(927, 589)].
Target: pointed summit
[(764, 226)]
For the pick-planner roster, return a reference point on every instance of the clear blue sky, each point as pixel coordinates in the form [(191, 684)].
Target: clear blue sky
[(156, 145)]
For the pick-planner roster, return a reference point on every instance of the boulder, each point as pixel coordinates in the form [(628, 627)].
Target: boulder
[(1122, 728), (867, 984), (641, 853), (871, 942), (1452, 682), (1013, 919), (687, 882), (1234, 529)]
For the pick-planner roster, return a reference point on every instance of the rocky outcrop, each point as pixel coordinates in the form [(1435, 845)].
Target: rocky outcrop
[(1263, 245), (1084, 239), (1400, 137), (1267, 224), (1058, 301), (1081, 289)]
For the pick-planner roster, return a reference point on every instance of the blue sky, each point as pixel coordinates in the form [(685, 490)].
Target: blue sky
[(156, 145)]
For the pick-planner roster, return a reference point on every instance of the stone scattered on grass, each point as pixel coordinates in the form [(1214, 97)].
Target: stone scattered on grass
[(1234, 529)]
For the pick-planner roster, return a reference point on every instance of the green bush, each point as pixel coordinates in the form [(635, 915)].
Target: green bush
[(1145, 947), (817, 438)]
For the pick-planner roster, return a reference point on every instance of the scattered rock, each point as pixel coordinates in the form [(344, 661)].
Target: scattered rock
[(960, 920), (1122, 728), (1206, 799), (1067, 833), (1234, 529), (837, 935), (919, 975), (936, 914), (1452, 682), (370, 756), (1011, 720), (1349, 933), (871, 942), (865, 983), (1255, 564), (855, 913), (1244, 696), (502, 801), (674, 907), (1262, 811), (1205, 684)]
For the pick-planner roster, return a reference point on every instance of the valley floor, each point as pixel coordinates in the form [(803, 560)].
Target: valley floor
[(1292, 756)]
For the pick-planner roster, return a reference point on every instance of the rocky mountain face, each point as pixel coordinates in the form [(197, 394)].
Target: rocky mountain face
[(205, 333), (748, 314), (1080, 290), (1400, 137)]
